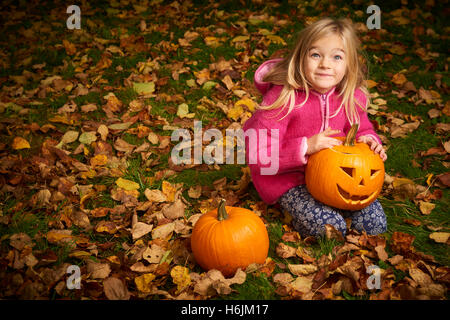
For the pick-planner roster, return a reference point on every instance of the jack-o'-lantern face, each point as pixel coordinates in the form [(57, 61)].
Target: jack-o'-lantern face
[(345, 177)]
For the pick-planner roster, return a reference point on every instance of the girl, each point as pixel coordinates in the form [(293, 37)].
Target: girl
[(316, 92)]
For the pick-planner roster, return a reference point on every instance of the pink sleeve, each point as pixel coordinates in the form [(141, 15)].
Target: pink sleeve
[(270, 152)]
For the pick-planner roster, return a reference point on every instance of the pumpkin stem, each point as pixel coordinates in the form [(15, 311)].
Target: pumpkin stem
[(351, 135), (221, 211)]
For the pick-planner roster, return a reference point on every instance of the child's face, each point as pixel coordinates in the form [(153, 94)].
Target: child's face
[(325, 64)]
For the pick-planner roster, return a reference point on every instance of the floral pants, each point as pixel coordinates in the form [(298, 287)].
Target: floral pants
[(310, 216)]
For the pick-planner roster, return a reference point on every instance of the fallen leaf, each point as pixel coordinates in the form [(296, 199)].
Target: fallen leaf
[(144, 282), (195, 191), (122, 145), (440, 237), (302, 269), (127, 184), (144, 87), (155, 195), (399, 79), (302, 284), (88, 107), (180, 276), (175, 210), (401, 242), (426, 207), (153, 254), (164, 231), (20, 240), (20, 143), (285, 251), (106, 226), (69, 137), (98, 270), (115, 289), (183, 111), (88, 137), (382, 255)]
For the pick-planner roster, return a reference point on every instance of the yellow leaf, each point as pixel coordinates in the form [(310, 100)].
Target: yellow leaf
[(55, 236), (235, 112), (169, 190), (426, 207), (247, 102), (399, 79), (400, 181), (183, 111), (61, 119), (180, 276), (144, 282), (99, 160), (212, 41), (440, 237), (429, 179), (144, 87), (20, 143), (88, 174), (240, 39), (370, 83), (276, 39), (127, 184)]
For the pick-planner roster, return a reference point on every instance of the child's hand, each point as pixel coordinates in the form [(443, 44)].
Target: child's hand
[(322, 140), (374, 145)]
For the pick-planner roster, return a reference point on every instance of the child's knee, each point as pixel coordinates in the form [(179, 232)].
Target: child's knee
[(313, 223), (371, 219)]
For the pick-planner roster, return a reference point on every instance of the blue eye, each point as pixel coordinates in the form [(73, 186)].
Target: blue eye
[(338, 57), (315, 55)]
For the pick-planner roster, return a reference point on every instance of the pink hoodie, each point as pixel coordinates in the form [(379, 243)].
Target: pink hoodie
[(277, 161)]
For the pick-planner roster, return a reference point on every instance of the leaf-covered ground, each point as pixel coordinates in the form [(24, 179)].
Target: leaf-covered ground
[(86, 177)]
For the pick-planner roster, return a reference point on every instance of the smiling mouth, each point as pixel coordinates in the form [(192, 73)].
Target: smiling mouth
[(324, 75), (344, 194)]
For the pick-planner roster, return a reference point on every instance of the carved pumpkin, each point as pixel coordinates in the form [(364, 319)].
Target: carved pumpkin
[(229, 238), (349, 176)]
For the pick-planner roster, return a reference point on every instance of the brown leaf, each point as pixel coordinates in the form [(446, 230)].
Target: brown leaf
[(401, 242), (140, 229), (382, 255), (164, 231), (115, 289), (285, 251), (98, 270), (399, 79), (20, 240), (106, 227), (153, 254), (302, 269), (155, 195), (122, 145), (175, 210), (444, 179), (332, 233)]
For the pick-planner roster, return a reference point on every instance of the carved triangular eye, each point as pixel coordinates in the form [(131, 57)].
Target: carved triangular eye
[(373, 172), (349, 171)]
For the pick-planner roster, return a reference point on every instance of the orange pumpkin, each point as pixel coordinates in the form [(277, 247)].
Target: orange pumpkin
[(229, 238), (349, 176)]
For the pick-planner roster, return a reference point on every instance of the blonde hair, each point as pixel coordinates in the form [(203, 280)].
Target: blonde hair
[(290, 72)]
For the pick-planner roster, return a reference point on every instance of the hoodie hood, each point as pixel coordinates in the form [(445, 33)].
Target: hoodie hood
[(263, 87)]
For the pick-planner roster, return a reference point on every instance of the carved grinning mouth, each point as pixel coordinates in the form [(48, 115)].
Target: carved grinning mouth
[(347, 195)]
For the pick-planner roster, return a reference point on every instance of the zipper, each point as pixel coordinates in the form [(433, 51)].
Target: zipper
[(324, 99)]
